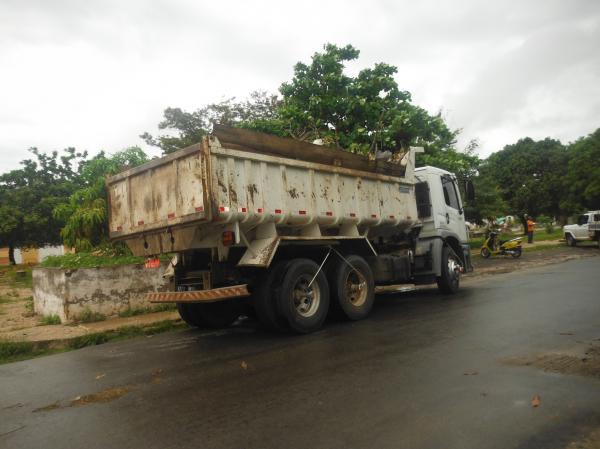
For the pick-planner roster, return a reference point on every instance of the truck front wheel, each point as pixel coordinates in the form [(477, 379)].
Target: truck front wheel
[(449, 280), (352, 288), (213, 315), (303, 297)]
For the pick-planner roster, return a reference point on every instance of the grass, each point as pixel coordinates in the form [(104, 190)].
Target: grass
[(538, 236), (89, 260), (87, 316), (144, 310), (50, 320), (16, 276), (13, 351)]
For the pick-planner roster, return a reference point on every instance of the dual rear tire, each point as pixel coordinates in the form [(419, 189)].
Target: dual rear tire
[(295, 295)]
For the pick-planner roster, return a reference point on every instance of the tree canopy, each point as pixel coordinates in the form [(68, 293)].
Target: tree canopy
[(28, 196), (85, 214), (583, 175)]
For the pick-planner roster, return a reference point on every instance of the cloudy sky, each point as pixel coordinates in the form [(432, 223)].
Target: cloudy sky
[(95, 74)]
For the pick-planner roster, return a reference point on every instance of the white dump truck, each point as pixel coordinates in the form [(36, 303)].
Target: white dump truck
[(288, 230)]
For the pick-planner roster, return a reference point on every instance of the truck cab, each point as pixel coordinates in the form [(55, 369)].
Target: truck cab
[(441, 212), (579, 231)]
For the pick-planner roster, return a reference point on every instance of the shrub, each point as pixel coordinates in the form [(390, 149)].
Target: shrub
[(48, 320), (87, 316)]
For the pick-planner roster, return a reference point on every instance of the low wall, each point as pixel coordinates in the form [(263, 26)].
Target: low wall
[(107, 290)]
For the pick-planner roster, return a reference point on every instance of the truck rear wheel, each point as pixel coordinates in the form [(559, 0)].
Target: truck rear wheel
[(303, 304), (265, 298), (352, 289), (213, 315), (449, 281)]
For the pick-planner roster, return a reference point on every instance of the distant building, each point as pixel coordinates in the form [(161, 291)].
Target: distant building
[(32, 256)]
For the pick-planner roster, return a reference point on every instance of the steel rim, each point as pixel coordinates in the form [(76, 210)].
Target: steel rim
[(356, 288), (307, 298), (453, 269)]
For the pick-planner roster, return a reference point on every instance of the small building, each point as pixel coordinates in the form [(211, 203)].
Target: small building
[(33, 256)]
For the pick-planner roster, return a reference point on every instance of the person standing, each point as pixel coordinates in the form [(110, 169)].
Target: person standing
[(530, 229)]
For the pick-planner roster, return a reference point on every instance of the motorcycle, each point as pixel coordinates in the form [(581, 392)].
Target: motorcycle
[(493, 246)]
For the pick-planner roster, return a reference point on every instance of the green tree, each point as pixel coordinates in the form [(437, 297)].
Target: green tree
[(530, 175), (362, 114), (29, 194), (258, 113), (85, 214), (583, 175)]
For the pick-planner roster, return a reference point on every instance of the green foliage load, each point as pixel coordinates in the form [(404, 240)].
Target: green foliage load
[(89, 260)]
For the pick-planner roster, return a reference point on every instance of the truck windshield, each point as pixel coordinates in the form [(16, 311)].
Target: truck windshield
[(450, 194)]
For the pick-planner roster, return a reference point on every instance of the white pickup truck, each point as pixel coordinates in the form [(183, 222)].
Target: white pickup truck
[(586, 228), (594, 228)]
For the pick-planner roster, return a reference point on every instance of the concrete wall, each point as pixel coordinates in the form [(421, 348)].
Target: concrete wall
[(108, 290)]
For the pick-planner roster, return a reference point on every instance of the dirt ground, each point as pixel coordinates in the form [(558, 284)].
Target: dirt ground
[(16, 306)]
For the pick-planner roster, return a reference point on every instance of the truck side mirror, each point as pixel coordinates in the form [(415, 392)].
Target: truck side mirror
[(469, 190)]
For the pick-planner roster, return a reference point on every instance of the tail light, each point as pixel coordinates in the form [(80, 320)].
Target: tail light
[(228, 238)]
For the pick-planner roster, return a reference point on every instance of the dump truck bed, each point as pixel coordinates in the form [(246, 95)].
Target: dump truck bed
[(247, 178)]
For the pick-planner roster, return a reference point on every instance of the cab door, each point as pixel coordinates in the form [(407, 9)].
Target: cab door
[(581, 231), (453, 219)]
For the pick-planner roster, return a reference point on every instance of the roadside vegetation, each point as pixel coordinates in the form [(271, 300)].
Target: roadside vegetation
[(539, 236), (50, 320), (145, 310), (89, 260), (13, 351)]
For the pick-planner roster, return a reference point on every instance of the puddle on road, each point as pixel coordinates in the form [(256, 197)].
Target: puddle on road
[(586, 363), (108, 395), (102, 397)]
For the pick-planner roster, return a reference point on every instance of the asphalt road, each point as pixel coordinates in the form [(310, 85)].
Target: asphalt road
[(421, 372)]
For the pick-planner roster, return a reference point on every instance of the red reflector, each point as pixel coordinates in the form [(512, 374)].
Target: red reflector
[(228, 238), (302, 212), (352, 214), (141, 222), (171, 215), (152, 263), (243, 209), (119, 228), (373, 215), (278, 211), (391, 216), (329, 214), (221, 208), (200, 209), (259, 210)]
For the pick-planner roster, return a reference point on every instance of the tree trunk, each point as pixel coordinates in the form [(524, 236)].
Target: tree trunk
[(524, 222), (11, 255)]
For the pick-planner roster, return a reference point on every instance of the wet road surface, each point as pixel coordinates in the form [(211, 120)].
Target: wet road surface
[(421, 372)]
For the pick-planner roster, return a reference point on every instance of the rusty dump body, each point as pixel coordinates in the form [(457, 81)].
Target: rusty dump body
[(262, 188)]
